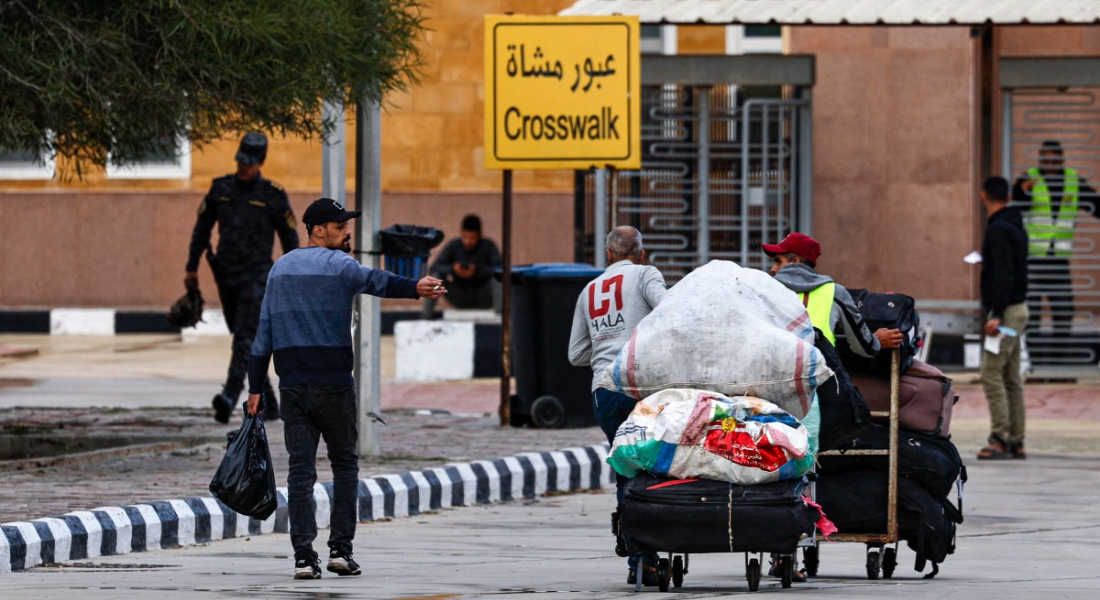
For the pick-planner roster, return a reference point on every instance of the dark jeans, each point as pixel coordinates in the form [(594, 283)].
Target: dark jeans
[(311, 412), (612, 408), (241, 305), (1049, 277)]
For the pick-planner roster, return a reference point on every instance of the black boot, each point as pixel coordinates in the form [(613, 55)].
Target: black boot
[(222, 408)]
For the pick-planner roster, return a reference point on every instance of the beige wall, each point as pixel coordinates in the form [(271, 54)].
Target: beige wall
[(112, 249), (123, 243), (894, 176), (894, 206)]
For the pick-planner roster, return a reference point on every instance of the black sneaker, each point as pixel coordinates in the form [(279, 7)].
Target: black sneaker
[(342, 563), (307, 568), (222, 408)]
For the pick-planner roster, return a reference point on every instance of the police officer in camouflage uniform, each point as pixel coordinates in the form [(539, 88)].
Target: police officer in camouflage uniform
[(249, 211)]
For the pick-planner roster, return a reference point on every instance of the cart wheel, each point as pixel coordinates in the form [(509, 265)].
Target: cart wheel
[(547, 412), (874, 562), (752, 573), (662, 574), (889, 562), (786, 570), (811, 559), (678, 571)]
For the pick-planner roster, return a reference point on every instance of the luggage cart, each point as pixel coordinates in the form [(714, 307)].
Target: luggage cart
[(881, 557), (673, 519)]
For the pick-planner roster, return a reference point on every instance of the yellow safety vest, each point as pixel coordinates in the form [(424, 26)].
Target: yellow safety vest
[(1045, 229), (819, 304)]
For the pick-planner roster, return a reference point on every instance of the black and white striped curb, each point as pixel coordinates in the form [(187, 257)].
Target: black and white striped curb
[(173, 523)]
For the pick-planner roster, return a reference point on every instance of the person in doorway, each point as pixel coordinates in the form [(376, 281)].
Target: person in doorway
[(468, 264), (829, 304), (1004, 285), (249, 211), (605, 316), (1053, 195), (305, 322)]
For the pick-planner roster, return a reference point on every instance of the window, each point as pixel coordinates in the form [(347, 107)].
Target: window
[(754, 39), (23, 164), (172, 160), (658, 39)]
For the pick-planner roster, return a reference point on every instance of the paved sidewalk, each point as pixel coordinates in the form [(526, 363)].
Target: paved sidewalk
[(1030, 532), (155, 390), (152, 393)]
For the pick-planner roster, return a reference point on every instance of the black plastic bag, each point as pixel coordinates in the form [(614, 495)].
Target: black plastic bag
[(245, 481)]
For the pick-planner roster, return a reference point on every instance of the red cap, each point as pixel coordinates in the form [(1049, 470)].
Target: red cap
[(796, 243)]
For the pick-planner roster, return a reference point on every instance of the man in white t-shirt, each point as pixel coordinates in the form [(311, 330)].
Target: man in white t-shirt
[(607, 311)]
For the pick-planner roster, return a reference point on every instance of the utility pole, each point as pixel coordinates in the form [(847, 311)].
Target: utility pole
[(368, 329)]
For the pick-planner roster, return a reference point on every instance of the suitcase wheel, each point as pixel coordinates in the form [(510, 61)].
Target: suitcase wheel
[(874, 562), (889, 562), (786, 570), (662, 574), (678, 571), (811, 560), (752, 573)]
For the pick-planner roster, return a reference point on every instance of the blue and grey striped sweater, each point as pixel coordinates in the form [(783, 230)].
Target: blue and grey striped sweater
[(305, 321)]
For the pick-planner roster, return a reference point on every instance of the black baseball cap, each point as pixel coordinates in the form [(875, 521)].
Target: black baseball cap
[(327, 210), (253, 149)]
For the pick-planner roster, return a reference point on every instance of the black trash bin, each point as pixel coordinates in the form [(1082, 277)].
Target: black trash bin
[(550, 392), (407, 248)]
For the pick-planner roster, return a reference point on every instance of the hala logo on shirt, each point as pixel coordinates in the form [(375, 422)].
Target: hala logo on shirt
[(600, 303)]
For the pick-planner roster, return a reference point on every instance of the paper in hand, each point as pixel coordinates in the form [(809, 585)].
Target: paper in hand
[(992, 344), (973, 258)]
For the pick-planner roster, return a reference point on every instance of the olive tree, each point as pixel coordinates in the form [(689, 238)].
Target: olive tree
[(85, 80)]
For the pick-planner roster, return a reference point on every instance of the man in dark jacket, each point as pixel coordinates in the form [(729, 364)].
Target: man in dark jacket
[(249, 211), (1004, 302), (468, 265)]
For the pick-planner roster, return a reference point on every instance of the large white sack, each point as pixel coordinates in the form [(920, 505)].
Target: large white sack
[(694, 433), (727, 329)]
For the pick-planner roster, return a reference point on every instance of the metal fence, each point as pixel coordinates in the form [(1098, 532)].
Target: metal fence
[(724, 169), (1064, 290)]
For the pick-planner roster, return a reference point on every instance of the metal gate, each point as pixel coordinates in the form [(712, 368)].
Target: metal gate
[(725, 168), (1064, 288)]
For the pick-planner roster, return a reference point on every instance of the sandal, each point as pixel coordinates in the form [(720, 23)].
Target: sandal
[(1017, 450), (996, 450)]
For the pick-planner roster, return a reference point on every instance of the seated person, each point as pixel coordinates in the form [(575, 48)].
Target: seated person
[(468, 265)]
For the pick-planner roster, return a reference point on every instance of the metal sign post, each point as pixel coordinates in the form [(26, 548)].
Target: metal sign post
[(560, 93), (505, 410)]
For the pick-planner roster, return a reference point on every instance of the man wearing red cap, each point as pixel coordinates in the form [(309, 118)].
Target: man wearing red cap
[(829, 304)]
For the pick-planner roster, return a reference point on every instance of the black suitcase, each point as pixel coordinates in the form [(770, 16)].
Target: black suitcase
[(856, 501), (698, 515), (844, 413), (932, 461)]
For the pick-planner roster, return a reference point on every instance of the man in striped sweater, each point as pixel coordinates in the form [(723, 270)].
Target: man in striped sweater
[(305, 322)]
